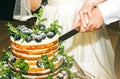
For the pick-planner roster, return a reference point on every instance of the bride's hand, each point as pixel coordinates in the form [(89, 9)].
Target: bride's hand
[(85, 15)]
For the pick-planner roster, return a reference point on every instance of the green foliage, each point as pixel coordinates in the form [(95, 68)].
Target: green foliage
[(50, 77), (47, 63), (6, 55), (19, 75), (6, 71), (68, 60), (61, 51), (54, 59), (38, 16), (54, 27), (22, 65), (12, 29), (15, 32)]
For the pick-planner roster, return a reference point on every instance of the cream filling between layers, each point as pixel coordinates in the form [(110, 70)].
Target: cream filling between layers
[(43, 71), (35, 52), (33, 57)]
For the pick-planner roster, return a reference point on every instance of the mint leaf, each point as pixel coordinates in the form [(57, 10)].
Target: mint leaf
[(22, 65), (69, 58), (72, 75), (2, 73), (19, 75), (44, 57), (51, 65), (50, 77), (54, 58), (3, 78)]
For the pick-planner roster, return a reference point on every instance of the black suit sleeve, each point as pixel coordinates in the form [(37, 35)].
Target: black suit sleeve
[(6, 9)]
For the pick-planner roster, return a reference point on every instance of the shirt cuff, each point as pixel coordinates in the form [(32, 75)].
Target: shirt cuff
[(109, 11)]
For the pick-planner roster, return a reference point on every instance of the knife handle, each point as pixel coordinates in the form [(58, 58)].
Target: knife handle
[(68, 35)]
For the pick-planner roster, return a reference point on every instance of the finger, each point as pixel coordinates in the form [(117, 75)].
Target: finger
[(78, 28), (82, 29), (82, 19), (86, 17), (90, 19), (77, 22), (90, 28)]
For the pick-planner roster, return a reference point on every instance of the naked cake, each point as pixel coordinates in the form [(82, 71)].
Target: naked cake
[(36, 53)]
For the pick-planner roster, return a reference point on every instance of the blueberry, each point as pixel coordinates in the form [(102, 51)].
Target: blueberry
[(60, 76), (12, 34), (58, 57), (59, 48), (9, 49), (64, 72), (18, 27), (13, 59), (64, 63), (17, 37), (23, 27), (39, 64), (33, 36), (28, 39), (28, 31), (50, 34), (42, 27), (38, 38), (39, 32), (10, 77), (43, 35)]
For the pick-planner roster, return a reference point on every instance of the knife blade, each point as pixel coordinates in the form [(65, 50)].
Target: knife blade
[(68, 35)]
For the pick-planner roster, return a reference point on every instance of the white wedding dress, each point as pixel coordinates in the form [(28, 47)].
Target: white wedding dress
[(92, 51)]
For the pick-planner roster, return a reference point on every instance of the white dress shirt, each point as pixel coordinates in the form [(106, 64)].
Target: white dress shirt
[(110, 10)]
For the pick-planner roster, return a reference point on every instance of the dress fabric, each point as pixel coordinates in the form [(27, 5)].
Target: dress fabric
[(92, 50)]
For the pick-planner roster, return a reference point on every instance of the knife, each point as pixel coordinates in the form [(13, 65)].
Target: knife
[(68, 35)]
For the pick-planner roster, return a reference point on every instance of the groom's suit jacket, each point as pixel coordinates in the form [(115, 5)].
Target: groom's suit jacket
[(6, 9)]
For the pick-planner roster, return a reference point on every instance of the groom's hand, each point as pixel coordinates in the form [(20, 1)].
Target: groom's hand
[(97, 20), (89, 17)]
